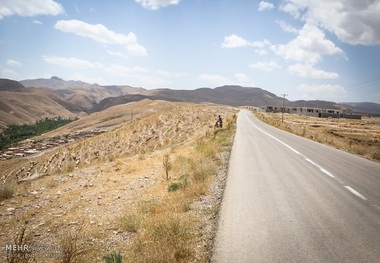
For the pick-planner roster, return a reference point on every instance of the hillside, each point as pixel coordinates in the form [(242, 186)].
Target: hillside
[(112, 188), (19, 105), (10, 85), (111, 118)]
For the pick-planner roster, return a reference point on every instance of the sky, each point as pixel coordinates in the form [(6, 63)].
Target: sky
[(306, 49)]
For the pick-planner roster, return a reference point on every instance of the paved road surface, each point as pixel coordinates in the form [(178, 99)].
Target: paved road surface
[(289, 199)]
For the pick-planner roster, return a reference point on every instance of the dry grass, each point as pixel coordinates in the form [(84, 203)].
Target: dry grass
[(119, 191), (168, 228), (360, 137)]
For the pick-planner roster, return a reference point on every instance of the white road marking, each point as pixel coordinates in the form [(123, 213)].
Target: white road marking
[(355, 192), (310, 161), (326, 172), (323, 170), (270, 135)]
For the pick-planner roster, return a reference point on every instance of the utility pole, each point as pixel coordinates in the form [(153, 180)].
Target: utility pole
[(283, 106)]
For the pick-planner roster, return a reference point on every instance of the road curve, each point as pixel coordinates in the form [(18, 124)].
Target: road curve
[(289, 199)]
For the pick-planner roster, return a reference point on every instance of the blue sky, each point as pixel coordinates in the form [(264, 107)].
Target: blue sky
[(308, 49)]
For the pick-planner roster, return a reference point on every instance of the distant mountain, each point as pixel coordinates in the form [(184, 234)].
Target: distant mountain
[(363, 107), (29, 100), (10, 85), (227, 95), (113, 101), (78, 96), (318, 104), (54, 83)]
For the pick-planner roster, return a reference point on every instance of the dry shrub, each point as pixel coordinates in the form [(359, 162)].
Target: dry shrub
[(131, 223), (71, 247), (167, 238), (7, 191), (25, 241)]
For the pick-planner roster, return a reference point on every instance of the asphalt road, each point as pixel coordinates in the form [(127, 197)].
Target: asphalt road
[(289, 199)]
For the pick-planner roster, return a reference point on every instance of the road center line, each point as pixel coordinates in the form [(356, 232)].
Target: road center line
[(291, 148), (355, 192), (323, 170)]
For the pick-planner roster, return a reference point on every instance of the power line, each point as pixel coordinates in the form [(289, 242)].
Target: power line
[(373, 81)]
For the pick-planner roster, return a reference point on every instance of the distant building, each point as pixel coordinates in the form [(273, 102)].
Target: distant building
[(309, 111)]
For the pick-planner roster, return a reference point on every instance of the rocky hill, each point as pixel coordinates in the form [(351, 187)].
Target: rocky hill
[(111, 188)]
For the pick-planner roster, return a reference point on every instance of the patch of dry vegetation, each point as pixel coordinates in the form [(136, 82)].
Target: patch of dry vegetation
[(360, 137), (109, 194)]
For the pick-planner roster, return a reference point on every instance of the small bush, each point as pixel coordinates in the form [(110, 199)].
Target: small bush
[(114, 257), (131, 223), (6, 192), (71, 248), (174, 187), (148, 207), (183, 182), (24, 239)]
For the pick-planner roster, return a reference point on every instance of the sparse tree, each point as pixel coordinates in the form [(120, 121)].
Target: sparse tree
[(167, 165)]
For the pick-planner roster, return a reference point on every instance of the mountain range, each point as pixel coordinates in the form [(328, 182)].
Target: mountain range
[(30, 100)]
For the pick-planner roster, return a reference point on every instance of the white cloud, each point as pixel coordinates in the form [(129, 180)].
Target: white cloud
[(169, 74), (116, 54), (234, 41), (324, 91), (308, 71), (37, 22), (156, 4), (29, 8), (118, 70), (102, 34), (265, 65), (353, 22), (265, 6), (8, 74), (308, 47), (14, 63), (242, 78), (286, 27), (149, 82), (214, 79), (261, 51), (74, 63)]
